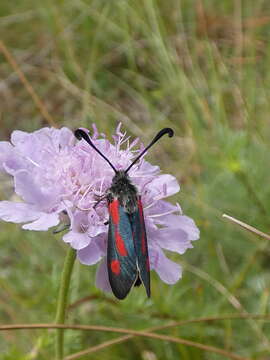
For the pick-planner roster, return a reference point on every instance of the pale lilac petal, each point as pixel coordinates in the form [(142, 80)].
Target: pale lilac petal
[(188, 224), (43, 223), (31, 146), (167, 270), (181, 222), (18, 212), (22, 140), (6, 152), (10, 161), (40, 146), (159, 209), (102, 278), (93, 231), (173, 240), (146, 168), (63, 137), (95, 226), (19, 137), (30, 191), (143, 174), (84, 222), (77, 240), (163, 186), (12, 165), (95, 135), (78, 220), (91, 254)]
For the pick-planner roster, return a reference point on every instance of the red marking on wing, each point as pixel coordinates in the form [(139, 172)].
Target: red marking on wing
[(143, 244), (115, 267), (114, 211), (142, 226), (120, 244)]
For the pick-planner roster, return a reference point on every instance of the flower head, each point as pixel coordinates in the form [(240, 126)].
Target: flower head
[(58, 178)]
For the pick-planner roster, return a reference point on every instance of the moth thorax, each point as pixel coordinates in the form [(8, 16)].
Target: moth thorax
[(123, 189)]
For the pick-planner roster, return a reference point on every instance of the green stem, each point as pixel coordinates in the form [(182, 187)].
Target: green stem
[(62, 302)]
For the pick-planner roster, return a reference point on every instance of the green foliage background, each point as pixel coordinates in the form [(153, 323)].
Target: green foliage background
[(200, 67)]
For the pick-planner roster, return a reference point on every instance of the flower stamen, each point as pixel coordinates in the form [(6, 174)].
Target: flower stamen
[(163, 214)]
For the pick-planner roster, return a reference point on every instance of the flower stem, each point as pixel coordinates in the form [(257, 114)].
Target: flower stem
[(62, 302)]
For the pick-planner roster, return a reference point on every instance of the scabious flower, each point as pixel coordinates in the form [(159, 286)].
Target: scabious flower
[(58, 179)]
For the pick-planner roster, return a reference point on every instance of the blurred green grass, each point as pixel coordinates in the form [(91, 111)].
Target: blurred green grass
[(201, 67)]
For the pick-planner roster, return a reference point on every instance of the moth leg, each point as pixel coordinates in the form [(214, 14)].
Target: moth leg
[(100, 198), (61, 228), (64, 223)]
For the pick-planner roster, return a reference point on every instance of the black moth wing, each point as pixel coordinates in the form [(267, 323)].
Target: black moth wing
[(121, 254), (140, 243)]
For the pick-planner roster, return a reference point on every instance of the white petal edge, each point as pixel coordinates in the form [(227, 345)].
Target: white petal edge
[(44, 222), (18, 212)]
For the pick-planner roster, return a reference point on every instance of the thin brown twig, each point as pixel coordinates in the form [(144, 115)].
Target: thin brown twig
[(173, 339), (121, 339), (247, 227), (127, 337), (11, 60), (7, 327)]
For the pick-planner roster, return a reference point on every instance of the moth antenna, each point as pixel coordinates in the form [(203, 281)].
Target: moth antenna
[(80, 134), (162, 132)]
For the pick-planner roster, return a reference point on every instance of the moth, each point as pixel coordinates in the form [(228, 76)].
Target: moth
[(127, 250)]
